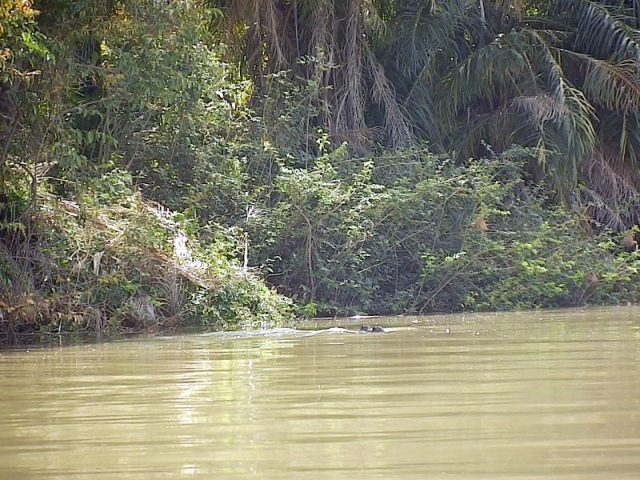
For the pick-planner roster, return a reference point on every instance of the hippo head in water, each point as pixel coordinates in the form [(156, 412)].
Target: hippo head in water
[(371, 329)]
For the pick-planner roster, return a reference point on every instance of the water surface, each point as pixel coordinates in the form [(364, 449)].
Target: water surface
[(544, 395)]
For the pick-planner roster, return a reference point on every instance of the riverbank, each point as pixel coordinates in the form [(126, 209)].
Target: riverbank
[(112, 262), (154, 177), (129, 265)]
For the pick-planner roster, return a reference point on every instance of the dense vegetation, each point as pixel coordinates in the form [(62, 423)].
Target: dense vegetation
[(231, 163)]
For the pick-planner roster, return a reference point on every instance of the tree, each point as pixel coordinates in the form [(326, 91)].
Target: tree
[(329, 42), (561, 77)]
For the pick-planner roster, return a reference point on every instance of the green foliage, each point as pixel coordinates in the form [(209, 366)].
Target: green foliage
[(136, 101), (437, 237), (557, 77), (145, 184), (548, 264), (21, 40), (313, 237), (241, 301), (111, 262)]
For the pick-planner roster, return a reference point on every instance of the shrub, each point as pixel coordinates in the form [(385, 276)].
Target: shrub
[(432, 236), (112, 262)]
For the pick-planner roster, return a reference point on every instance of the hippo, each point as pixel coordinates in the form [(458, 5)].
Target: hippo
[(372, 329)]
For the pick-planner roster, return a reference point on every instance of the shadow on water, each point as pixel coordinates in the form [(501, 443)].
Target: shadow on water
[(44, 340)]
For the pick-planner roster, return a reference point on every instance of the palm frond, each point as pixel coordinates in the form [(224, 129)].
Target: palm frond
[(481, 130), (576, 124), (423, 31), (487, 74), (600, 211), (384, 94), (598, 31), (612, 190), (321, 16), (620, 133), (269, 15), (515, 87), (540, 108), (349, 114), (422, 112), (612, 85)]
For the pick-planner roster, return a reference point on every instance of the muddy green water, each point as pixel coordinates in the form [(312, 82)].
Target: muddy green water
[(551, 395)]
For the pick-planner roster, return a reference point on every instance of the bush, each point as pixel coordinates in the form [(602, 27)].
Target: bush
[(113, 262), (431, 236)]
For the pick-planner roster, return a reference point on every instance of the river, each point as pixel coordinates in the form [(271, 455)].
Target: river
[(539, 395)]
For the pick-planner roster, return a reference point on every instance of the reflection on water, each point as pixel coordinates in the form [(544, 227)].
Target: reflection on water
[(553, 395)]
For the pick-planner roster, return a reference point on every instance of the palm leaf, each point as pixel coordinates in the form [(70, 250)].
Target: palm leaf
[(598, 30), (612, 190), (613, 85)]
